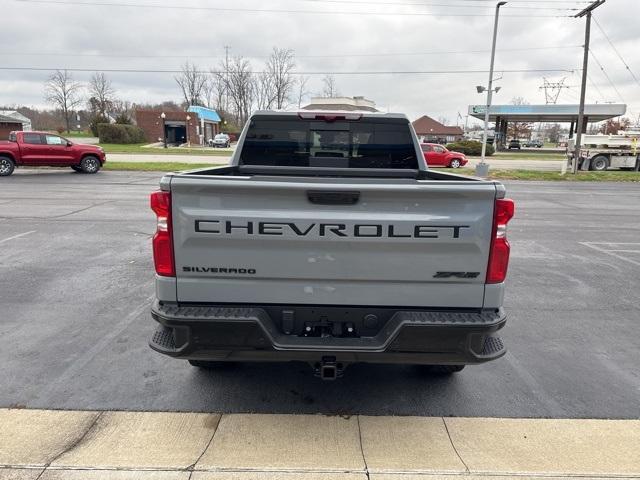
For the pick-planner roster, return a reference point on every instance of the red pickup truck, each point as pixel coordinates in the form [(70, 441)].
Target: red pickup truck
[(44, 149)]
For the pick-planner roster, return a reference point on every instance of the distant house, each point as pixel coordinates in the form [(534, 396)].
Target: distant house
[(432, 131), (196, 126), (341, 103), (10, 121)]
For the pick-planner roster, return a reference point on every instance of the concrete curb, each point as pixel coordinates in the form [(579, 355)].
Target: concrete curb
[(53, 445)]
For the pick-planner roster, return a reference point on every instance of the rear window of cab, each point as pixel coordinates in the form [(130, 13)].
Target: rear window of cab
[(384, 143)]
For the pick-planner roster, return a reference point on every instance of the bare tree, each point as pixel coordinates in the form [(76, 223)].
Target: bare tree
[(214, 91), (122, 107), (101, 94), (443, 120), (123, 110), (192, 83), (239, 86), (302, 88), (63, 92), (265, 92), (614, 125), (329, 87), (280, 67), (209, 92)]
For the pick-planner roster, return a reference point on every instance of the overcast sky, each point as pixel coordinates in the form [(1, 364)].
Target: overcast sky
[(348, 36)]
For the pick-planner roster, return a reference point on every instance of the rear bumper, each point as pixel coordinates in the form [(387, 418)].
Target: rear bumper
[(257, 333)]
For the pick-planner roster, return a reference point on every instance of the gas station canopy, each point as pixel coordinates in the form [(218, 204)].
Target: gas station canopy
[(548, 113)]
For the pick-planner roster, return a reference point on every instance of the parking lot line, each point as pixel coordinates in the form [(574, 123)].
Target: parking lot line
[(49, 444), (17, 236), (598, 246)]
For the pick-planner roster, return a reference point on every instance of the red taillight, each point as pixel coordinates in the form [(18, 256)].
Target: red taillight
[(499, 253), (162, 242)]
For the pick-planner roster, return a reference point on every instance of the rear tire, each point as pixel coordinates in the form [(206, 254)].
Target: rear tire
[(599, 163), (444, 369), (90, 164), (7, 166)]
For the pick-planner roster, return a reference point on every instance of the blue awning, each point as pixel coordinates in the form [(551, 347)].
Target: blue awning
[(207, 114)]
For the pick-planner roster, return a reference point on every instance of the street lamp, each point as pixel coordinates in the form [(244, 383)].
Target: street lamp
[(164, 129), (482, 169), (187, 129)]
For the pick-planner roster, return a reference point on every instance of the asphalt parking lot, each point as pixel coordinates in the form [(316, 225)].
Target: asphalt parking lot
[(76, 281)]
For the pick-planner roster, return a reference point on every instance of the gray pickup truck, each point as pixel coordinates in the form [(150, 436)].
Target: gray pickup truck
[(328, 241)]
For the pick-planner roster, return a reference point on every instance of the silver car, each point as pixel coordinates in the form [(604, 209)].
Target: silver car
[(220, 140)]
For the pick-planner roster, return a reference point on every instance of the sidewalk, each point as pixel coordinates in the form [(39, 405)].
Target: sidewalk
[(150, 157), (50, 445), (500, 164)]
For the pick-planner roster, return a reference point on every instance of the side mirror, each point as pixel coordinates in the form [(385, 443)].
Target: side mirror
[(69, 143)]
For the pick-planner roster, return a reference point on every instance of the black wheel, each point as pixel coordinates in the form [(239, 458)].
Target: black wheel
[(7, 166), (209, 364), (90, 164), (455, 163), (444, 369), (76, 168), (599, 163)]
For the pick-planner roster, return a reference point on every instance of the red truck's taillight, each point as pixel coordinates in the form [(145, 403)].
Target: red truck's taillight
[(162, 242), (499, 253)]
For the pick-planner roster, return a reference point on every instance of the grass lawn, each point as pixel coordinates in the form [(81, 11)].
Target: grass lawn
[(76, 134), (138, 148), (612, 176), (158, 166), (523, 156)]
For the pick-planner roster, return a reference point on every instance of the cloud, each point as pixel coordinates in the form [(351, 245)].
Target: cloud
[(40, 34)]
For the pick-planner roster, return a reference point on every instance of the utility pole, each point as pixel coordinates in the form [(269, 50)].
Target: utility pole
[(483, 169), (583, 88), (226, 78)]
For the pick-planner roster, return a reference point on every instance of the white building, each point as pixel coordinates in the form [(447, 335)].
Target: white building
[(26, 123)]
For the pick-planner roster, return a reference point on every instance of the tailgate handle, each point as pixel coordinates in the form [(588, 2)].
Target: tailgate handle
[(326, 197)]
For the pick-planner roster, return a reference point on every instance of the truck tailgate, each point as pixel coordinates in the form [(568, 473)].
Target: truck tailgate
[(331, 241)]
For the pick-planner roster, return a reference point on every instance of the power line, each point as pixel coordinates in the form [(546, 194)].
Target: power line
[(602, 97), (271, 10), (412, 4), (345, 55), (355, 72), (616, 50), (491, 2), (606, 74)]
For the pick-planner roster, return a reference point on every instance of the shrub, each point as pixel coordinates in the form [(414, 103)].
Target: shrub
[(470, 147), (115, 133), (95, 121), (60, 130), (123, 119)]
